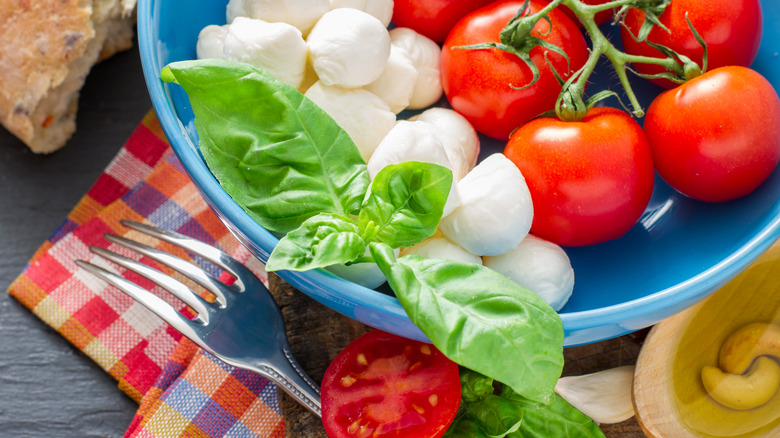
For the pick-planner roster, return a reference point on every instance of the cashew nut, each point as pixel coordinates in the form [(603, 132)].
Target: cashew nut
[(743, 391), (749, 374), (747, 343)]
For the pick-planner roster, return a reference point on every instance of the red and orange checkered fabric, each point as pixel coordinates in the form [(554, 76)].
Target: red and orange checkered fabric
[(182, 390)]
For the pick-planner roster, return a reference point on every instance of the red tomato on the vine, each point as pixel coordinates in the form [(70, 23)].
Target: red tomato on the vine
[(590, 181), (731, 29), (716, 137), (433, 18), (483, 84), (387, 386)]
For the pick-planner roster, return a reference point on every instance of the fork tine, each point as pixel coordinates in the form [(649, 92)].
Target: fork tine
[(202, 249), (152, 302), (175, 287), (195, 273)]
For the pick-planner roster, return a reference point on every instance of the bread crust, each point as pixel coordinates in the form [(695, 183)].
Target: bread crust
[(47, 48)]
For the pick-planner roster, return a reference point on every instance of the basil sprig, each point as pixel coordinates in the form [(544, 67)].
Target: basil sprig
[(406, 203), (403, 208), (486, 413), (295, 171)]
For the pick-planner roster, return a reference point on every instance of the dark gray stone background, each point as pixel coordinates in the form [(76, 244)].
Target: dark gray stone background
[(48, 388)]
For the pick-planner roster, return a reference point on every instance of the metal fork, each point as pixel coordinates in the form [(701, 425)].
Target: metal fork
[(243, 327)]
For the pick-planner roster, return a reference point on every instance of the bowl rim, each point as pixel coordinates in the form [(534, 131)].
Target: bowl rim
[(684, 293)]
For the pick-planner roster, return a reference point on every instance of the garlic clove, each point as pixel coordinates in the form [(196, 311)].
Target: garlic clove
[(604, 396)]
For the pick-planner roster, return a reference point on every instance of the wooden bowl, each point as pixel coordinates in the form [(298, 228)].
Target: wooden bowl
[(669, 398)]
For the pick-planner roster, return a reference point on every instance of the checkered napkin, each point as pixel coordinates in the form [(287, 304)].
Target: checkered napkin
[(182, 390)]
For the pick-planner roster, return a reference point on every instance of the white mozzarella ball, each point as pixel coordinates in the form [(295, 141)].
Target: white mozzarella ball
[(426, 55), (302, 14), (439, 247), (381, 9), (348, 48), (496, 209), (364, 116), (413, 141), (408, 141), (278, 48), (540, 266), (211, 41), (366, 274), (459, 138), (396, 83)]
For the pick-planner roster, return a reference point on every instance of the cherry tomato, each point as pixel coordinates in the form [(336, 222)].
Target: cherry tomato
[(716, 137), (433, 18), (590, 181), (383, 385), (731, 29), (482, 84)]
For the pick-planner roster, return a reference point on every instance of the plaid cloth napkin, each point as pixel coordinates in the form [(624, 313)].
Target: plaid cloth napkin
[(182, 391)]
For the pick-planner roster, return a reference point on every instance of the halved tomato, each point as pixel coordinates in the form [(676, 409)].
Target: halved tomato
[(383, 385)]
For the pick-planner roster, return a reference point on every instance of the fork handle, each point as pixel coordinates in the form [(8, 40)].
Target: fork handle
[(292, 379)]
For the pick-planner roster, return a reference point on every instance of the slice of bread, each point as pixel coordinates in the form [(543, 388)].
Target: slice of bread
[(47, 48)]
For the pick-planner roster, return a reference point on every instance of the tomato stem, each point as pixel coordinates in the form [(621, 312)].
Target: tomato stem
[(517, 38), (595, 9), (601, 46)]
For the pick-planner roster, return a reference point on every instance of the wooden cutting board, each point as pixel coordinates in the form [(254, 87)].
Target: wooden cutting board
[(317, 334)]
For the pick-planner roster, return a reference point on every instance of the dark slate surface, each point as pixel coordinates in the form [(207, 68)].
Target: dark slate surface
[(47, 387)]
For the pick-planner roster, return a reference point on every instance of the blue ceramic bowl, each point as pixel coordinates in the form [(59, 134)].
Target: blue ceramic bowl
[(679, 252)]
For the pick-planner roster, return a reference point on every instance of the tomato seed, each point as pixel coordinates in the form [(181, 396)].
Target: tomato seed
[(352, 428), (415, 367), (425, 349), (433, 399), (418, 409), (361, 358), (347, 381), (365, 431)]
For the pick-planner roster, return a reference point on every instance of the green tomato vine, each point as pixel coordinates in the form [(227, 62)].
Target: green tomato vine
[(518, 38)]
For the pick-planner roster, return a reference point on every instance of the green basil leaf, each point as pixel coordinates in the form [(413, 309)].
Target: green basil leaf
[(480, 319), (323, 240), (281, 157), (497, 415), (465, 427), (511, 415), (558, 418), (405, 203), (474, 386)]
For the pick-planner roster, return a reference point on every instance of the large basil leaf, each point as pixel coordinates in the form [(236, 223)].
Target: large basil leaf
[(558, 418), (280, 156), (323, 240), (405, 203), (480, 319)]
